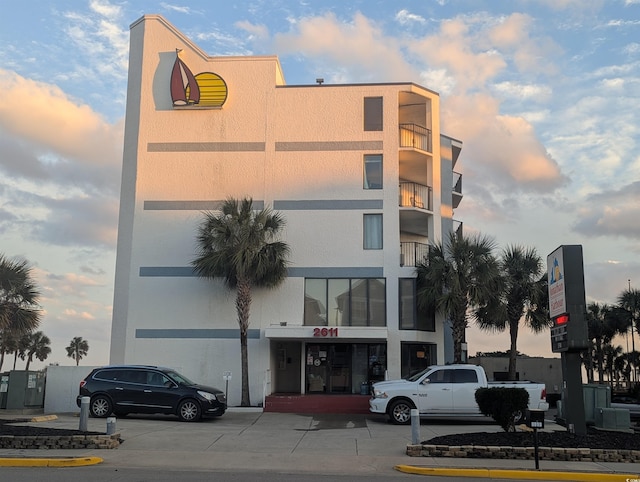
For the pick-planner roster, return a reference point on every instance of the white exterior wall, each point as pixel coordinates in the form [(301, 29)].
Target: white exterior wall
[(259, 109)]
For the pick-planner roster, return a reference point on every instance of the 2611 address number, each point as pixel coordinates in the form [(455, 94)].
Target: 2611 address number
[(325, 332)]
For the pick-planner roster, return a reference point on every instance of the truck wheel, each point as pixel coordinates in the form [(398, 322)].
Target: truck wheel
[(518, 417), (400, 412)]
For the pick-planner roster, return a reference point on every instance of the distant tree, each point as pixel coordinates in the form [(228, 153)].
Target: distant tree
[(8, 345), (630, 300), (38, 346), (77, 349), (457, 274), (240, 246)]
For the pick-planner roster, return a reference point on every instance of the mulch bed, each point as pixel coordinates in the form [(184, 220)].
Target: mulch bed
[(594, 439), (12, 427)]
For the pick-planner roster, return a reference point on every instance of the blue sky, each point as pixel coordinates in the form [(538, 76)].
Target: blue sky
[(544, 94)]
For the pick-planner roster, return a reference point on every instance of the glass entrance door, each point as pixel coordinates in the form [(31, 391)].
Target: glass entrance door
[(344, 367)]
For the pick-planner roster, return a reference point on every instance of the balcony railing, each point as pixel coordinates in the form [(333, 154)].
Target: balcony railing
[(457, 228), (415, 195), (457, 182), (413, 135), (412, 253)]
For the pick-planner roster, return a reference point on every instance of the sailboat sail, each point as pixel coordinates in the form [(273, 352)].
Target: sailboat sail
[(184, 87)]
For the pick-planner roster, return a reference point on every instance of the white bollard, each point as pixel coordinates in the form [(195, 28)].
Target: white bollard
[(111, 425), (84, 413), (415, 426)]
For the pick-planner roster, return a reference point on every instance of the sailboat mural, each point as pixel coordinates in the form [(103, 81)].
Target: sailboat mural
[(184, 87), (205, 89)]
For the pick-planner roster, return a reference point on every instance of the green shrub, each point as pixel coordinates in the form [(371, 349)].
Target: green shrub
[(504, 405)]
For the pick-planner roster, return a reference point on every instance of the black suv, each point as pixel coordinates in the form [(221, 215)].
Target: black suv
[(147, 389)]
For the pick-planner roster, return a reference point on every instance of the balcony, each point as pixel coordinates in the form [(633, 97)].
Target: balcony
[(415, 208), (457, 189), (415, 195), (415, 136), (412, 253)]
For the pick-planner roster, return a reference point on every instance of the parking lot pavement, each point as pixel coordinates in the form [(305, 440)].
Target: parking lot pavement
[(248, 439)]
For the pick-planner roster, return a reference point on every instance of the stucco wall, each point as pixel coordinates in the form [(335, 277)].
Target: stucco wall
[(62, 387)]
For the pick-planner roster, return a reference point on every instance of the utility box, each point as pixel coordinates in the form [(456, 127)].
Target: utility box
[(613, 419), (25, 389), (535, 418), (4, 389)]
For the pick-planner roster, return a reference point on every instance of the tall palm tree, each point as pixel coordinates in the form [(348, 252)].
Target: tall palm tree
[(19, 309), (521, 296), (456, 275), (240, 246), (77, 349), (38, 346)]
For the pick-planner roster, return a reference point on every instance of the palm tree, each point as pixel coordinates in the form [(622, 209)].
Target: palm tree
[(522, 295), (456, 275), (77, 349), (604, 322), (37, 346), (630, 300), (19, 309), (8, 345), (239, 245)]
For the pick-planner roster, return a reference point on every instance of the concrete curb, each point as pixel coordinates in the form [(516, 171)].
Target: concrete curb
[(517, 474), (51, 462)]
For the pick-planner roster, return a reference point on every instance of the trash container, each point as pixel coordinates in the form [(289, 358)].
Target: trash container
[(364, 388)]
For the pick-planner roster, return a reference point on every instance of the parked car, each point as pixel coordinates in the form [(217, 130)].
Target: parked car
[(123, 389), (446, 391)]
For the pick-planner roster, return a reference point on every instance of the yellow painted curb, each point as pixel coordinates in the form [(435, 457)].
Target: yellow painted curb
[(44, 418), (518, 474), (60, 462)]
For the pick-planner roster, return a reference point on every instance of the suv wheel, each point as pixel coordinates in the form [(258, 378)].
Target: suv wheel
[(100, 406), (189, 410)]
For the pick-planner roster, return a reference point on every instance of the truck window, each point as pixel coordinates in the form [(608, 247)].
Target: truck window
[(465, 376), (441, 376)]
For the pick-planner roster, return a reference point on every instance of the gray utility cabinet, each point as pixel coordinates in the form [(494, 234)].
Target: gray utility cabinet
[(22, 389)]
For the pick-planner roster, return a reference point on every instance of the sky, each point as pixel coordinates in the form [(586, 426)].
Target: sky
[(544, 95)]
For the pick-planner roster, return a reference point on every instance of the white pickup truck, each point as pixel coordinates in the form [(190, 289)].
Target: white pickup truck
[(445, 391)]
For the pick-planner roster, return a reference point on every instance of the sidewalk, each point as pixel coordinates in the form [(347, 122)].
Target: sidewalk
[(247, 439)]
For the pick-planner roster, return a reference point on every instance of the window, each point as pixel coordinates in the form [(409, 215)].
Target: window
[(373, 231), (373, 113), (441, 376), (345, 302), (373, 171), (465, 376), (415, 357), (411, 316)]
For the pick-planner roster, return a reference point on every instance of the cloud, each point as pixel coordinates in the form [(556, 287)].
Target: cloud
[(359, 46), (404, 17), (612, 213), (507, 155), (63, 127), (175, 8), (61, 163)]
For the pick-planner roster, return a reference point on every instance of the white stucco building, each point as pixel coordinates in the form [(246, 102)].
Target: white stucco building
[(363, 177)]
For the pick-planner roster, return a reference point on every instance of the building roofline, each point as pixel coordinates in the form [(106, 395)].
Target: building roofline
[(199, 51), (364, 84)]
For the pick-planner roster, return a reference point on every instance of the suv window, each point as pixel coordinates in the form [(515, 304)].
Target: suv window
[(157, 379), (110, 375), (135, 376)]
